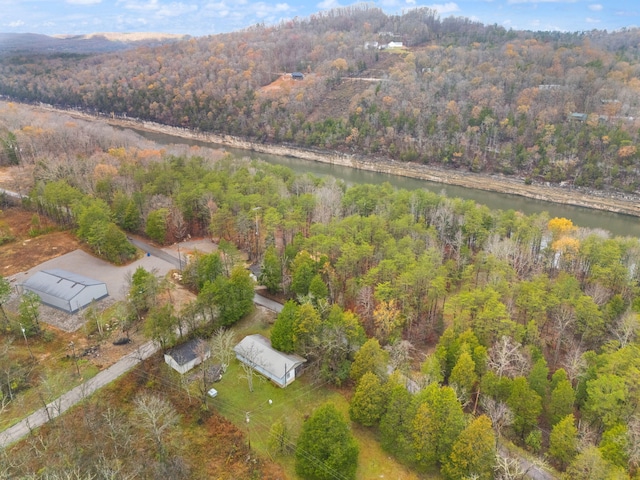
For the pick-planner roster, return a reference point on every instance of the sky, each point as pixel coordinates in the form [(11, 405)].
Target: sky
[(207, 17)]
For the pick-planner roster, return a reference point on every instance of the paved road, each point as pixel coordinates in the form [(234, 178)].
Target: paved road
[(267, 303), (529, 468), (76, 395), (157, 252)]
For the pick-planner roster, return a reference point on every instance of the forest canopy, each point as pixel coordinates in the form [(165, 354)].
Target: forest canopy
[(544, 106)]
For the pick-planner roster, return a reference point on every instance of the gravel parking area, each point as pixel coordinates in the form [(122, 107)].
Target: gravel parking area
[(82, 263)]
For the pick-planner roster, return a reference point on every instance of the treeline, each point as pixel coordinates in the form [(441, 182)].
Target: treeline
[(533, 318), (545, 106)]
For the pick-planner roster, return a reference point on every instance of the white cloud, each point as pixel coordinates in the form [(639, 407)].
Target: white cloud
[(263, 10), (175, 9), (444, 8), (149, 6), (17, 23), (596, 7), (512, 2), (327, 4), (83, 2), (591, 20)]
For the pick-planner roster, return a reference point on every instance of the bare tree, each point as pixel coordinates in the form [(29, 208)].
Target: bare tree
[(157, 416), (222, 343), (626, 328), (400, 355), (117, 431), (574, 363), (500, 414), (509, 468), (252, 360), (633, 441), (506, 358), (563, 317)]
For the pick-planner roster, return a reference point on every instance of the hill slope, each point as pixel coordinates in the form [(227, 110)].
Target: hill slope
[(548, 107)]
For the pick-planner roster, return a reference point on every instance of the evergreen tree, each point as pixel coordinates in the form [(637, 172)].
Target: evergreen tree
[(589, 465), (474, 452), (156, 228), (306, 329), (282, 331), (526, 406), (303, 269), (463, 376), (562, 401), (233, 297), (271, 273), (326, 448), (615, 445), (370, 358), (318, 289), (368, 401), (563, 441), (396, 424), (539, 378), (438, 421)]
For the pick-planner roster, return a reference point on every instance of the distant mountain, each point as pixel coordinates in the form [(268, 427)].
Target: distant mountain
[(552, 107), (81, 44)]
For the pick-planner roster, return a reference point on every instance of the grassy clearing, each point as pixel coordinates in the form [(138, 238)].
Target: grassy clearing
[(52, 373), (292, 405)]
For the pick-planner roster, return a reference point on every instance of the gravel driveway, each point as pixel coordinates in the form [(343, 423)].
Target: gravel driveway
[(82, 263)]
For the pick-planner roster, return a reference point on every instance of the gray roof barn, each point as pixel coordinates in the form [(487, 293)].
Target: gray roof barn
[(281, 368), (65, 290)]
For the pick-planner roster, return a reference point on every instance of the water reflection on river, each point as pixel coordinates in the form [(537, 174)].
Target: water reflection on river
[(616, 223)]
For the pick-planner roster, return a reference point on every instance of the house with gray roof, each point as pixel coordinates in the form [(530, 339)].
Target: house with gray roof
[(184, 357), (257, 352), (65, 290)]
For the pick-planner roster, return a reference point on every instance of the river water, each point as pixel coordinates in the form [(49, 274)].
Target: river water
[(616, 223)]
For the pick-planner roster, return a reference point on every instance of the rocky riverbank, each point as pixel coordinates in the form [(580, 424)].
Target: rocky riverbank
[(596, 199)]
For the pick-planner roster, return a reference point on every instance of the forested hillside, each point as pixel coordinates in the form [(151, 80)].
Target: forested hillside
[(529, 320), (549, 107)]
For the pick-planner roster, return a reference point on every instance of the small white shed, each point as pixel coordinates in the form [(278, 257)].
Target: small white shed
[(186, 356), (65, 290)]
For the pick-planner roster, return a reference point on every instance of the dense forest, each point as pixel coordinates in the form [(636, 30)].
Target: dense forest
[(544, 106), (510, 326)]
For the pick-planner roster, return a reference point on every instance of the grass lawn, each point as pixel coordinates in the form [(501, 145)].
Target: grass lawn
[(48, 378), (292, 405)]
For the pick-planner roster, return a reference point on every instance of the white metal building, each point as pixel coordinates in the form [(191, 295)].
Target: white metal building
[(65, 290), (256, 351)]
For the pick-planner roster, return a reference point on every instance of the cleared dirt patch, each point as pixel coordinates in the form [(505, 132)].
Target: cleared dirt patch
[(25, 251)]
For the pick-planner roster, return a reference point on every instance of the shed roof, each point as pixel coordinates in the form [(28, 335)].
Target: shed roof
[(59, 283), (186, 352), (263, 354)]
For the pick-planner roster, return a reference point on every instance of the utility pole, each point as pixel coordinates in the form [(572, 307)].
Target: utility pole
[(75, 359), (247, 418), (24, 334), (256, 209)]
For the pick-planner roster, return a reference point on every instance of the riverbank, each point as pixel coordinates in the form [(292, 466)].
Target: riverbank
[(606, 201)]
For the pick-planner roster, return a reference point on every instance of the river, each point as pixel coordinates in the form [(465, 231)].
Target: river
[(616, 223)]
